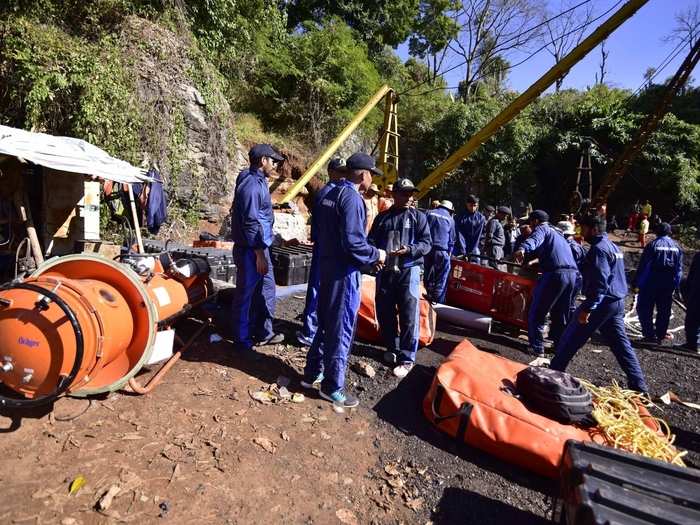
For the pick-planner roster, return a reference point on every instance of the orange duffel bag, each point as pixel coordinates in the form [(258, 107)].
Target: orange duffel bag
[(368, 327), (470, 400)]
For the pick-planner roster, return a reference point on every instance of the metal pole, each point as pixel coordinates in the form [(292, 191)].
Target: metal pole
[(137, 226), (325, 156), (534, 91)]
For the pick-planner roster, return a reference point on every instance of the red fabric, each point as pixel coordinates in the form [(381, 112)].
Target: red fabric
[(498, 422), (368, 327)]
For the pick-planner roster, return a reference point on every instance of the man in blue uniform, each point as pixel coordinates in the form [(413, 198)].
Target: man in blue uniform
[(305, 336), (556, 288), (605, 288), (343, 250), (437, 262), (495, 238), (469, 226), (692, 301), (403, 232), (251, 228), (658, 276), (578, 251)]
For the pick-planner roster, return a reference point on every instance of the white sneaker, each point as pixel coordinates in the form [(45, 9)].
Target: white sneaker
[(541, 361), (403, 369)]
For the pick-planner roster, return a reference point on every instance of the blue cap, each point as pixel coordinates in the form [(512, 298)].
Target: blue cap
[(404, 185), (472, 199), (663, 229), (336, 164), (259, 151), (362, 161), (539, 215)]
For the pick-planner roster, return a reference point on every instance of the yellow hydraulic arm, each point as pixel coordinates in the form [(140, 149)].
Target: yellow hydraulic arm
[(534, 91), (388, 160)]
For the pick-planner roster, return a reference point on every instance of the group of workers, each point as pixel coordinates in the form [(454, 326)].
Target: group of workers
[(401, 240)]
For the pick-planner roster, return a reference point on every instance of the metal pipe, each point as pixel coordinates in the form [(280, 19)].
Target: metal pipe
[(534, 91), (325, 156), (160, 374), (465, 318)]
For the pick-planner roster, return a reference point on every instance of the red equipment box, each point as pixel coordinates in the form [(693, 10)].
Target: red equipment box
[(504, 296)]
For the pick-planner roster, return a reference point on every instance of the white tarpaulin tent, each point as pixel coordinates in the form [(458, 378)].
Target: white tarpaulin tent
[(67, 154)]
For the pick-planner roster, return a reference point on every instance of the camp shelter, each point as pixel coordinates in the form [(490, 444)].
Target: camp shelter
[(50, 193)]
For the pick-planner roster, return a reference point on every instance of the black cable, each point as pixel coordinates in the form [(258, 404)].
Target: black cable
[(64, 381), (544, 22)]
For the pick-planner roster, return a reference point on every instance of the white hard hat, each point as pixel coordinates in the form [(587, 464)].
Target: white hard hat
[(566, 228), (447, 205)]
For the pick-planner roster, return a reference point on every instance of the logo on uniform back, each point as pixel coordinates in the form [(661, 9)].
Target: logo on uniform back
[(31, 343), (329, 203)]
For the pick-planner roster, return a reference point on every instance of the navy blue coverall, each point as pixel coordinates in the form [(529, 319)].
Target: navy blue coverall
[(692, 315), (556, 288), (658, 275), (437, 262), (343, 250), (469, 228), (494, 241), (579, 253), (605, 288), (401, 290), (251, 228), (310, 317)]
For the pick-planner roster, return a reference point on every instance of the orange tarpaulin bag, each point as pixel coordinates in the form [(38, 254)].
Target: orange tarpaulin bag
[(368, 326), (470, 399)]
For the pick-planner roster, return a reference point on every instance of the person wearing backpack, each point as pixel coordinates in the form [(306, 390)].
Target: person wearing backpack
[(658, 276), (603, 310)]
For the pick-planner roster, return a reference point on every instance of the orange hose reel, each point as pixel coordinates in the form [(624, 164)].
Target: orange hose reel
[(82, 324)]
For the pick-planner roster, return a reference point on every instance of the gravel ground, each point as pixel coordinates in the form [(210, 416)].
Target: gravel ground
[(201, 448)]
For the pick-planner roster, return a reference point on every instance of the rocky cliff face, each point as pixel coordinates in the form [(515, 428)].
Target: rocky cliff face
[(187, 127)]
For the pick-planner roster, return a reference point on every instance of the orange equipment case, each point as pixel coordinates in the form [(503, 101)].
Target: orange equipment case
[(470, 400), (368, 327), (504, 296)]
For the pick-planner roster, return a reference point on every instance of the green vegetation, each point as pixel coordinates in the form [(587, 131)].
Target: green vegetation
[(294, 75)]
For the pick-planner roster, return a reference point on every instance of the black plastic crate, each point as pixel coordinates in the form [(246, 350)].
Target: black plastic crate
[(601, 485), (291, 264)]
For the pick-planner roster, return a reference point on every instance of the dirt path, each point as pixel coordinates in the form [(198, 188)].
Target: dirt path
[(201, 450)]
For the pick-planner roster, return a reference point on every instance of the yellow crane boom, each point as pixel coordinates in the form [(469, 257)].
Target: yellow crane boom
[(324, 157), (534, 91)]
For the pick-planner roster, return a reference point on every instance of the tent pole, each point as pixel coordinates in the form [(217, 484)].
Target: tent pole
[(137, 226), (22, 205)]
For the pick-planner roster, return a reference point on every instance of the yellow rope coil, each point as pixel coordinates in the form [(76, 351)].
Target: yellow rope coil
[(621, 425)]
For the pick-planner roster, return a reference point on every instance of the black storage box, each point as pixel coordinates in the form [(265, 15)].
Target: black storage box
[(221, 266), (601, 485), (291, 264)]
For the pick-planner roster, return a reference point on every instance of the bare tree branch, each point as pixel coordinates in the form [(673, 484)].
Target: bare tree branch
[(687, 26), (560, 34)]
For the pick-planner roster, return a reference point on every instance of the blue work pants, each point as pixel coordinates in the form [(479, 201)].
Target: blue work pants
[(253, 299), (338, 303), (437, 273), (554, 293), (692, 322), (310, 315), (659, 296), (608, 319), (398, 295)]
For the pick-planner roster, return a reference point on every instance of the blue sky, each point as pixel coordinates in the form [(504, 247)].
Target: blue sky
[(635, 46)]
